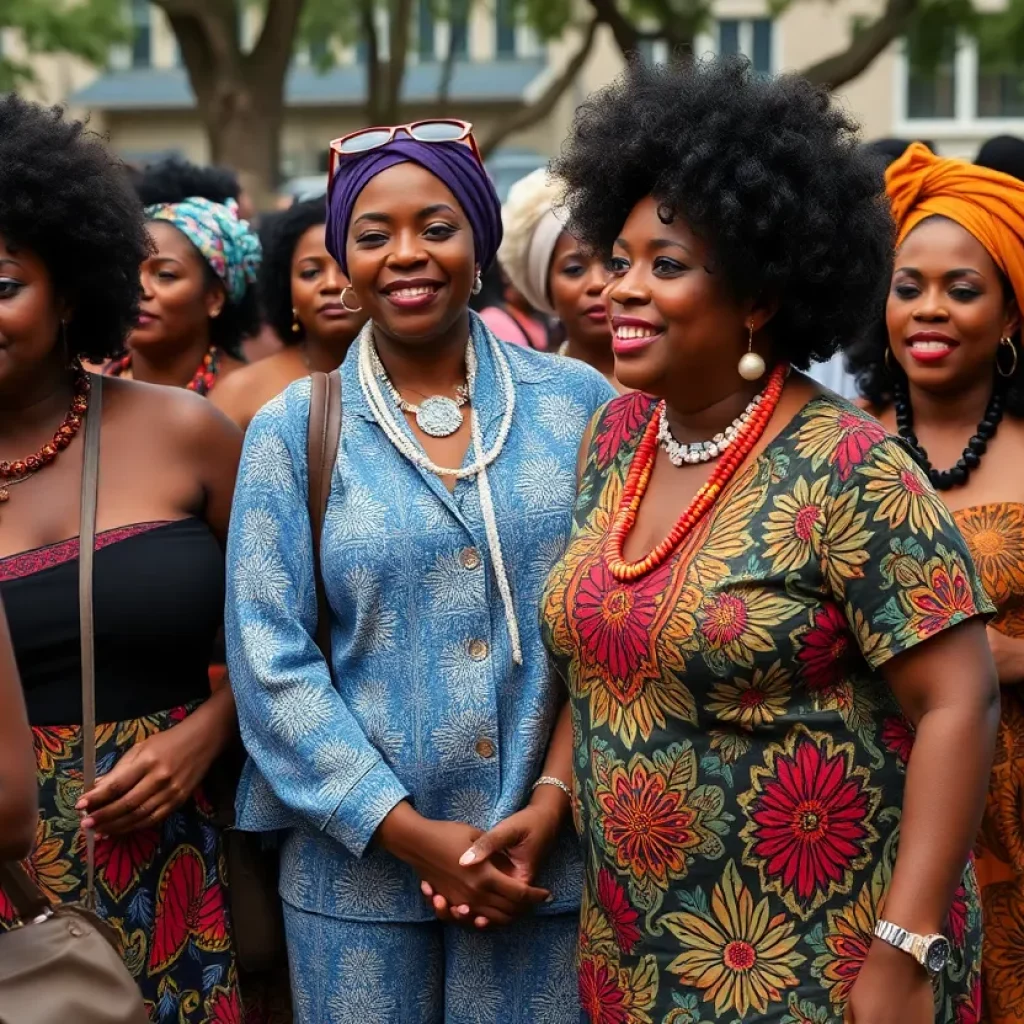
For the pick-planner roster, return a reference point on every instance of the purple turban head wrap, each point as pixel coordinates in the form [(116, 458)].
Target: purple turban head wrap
[(451, 162)]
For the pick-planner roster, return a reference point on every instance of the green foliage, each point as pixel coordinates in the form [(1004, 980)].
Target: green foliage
[(83, 28)]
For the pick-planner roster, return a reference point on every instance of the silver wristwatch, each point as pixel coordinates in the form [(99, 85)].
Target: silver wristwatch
[(930, 951)]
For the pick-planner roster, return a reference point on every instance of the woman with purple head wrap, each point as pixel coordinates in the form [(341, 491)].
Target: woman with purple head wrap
[(421, 781)]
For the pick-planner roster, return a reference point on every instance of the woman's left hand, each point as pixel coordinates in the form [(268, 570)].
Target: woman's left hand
[(892, 988), (151, 781), (518, 845)]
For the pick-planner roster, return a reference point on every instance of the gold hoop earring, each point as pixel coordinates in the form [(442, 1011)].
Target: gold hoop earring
[(751, 366), (1013, 352), (345, 305), (296, 323)]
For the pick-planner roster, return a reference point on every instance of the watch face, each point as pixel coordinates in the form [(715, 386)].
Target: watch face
[(936, 956)]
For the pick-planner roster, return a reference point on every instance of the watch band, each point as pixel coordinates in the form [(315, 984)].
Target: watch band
[(915, 945)]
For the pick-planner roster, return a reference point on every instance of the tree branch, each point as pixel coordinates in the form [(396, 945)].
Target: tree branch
[(367, 18), (866, 45), (627, 35), (528, 116)]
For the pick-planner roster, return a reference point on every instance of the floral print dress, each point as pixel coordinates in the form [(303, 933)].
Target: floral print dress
[(995, 535), (739, 761)]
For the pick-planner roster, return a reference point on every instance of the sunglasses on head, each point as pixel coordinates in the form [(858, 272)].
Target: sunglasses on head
[(436, 130)]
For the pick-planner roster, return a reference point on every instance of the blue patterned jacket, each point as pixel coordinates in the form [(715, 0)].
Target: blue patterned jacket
[(426, 703)]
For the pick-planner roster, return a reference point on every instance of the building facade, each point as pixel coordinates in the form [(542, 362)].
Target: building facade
[(144, 103)]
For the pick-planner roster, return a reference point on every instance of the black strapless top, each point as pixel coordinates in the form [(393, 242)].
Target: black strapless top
[(158, 604)]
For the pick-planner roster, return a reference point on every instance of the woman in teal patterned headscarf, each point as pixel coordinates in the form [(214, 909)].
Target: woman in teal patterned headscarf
[(198, 301)]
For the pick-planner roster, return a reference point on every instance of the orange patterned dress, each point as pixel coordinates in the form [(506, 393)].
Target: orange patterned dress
[(995, 535)]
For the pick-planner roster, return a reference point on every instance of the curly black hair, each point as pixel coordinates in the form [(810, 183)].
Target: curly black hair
[(766, 171), (876, 376), (65, 199), (280, 235), (174, 180)]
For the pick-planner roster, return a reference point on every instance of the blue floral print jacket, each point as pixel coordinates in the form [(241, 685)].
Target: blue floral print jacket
[(426, 702)]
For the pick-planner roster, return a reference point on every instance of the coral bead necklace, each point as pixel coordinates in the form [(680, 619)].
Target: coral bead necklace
[(202, 381), (640, 475), (20, 470)]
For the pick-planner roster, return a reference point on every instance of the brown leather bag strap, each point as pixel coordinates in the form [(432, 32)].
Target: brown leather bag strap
[(86, 548), (28, 899), (324, 438)]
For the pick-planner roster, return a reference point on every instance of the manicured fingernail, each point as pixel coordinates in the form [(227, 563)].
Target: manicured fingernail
[(551, 898), (468, 857), (425, 889), (481, 922), (88, 823), (463, 909), (439, 902)]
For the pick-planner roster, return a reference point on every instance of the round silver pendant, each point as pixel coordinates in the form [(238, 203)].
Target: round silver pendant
[(439, 416)]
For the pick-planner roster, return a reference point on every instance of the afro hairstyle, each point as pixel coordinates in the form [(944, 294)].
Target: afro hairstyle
[(768, 172), (67, 200), (280, 236)]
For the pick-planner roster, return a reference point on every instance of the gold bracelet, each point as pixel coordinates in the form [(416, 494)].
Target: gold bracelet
[(550, 780)]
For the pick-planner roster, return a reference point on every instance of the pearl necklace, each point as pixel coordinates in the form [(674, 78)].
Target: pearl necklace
[(703, 451), (381, 409)]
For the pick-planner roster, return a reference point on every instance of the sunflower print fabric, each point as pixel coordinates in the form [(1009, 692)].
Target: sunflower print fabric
[(995, 536), (739, 761), (162, 889)]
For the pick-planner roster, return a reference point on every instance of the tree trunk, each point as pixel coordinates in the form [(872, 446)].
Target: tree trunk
[(240, 96)]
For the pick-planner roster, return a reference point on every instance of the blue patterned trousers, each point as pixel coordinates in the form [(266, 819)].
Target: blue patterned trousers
[(357, 972)]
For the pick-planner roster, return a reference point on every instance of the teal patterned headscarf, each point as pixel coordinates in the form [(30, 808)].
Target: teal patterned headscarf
[(226, 242)]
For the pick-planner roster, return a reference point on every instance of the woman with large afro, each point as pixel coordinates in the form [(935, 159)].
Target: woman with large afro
[(783, 698), (72, 236)]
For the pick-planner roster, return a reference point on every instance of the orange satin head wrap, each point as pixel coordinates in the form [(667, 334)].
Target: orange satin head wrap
[(988, 204)]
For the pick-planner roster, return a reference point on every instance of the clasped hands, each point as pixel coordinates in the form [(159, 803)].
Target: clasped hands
[(471, 876)]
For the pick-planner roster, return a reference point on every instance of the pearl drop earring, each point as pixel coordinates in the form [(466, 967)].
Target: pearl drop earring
[(751, 365)]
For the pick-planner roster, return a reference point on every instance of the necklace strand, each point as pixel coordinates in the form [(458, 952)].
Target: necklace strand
[(702, 451), (400, 438), (970, 459), (20, 470), (202, 382), (640, 474)]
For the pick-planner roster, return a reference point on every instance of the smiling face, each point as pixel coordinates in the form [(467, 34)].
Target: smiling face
[(179, 296), (947, 308), (410, 255), (675, 331), (317, 283), (576, 283), (30, 315)]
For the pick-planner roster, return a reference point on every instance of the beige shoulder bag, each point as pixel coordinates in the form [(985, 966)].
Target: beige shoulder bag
[(62, 964)]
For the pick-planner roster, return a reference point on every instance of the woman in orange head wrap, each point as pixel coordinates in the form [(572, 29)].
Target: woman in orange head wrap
[(948, 375)]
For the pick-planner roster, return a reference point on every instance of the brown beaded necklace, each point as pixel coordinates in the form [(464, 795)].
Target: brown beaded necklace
[(20, 470)]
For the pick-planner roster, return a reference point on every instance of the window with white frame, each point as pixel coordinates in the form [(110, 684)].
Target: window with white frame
[(142, 34), (753, 38), (971, 79)]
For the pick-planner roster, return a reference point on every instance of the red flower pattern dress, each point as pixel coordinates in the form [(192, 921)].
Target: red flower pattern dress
[(162, 889), (739, 760), (995, 535)]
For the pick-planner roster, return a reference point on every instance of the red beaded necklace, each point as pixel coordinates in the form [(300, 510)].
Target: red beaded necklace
[(17, 472), (640, 475), (202, 381)]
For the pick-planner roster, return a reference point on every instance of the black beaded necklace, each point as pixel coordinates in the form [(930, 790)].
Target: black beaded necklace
[(945, 479)]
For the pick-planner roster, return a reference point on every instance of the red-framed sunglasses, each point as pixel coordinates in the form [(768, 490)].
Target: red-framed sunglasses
[(440, 129)]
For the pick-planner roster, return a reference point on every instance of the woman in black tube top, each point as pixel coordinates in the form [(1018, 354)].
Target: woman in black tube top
[(71, 241)]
